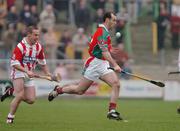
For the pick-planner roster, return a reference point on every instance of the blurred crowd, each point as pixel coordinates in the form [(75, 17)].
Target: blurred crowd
[(169, 17), (82, 17)]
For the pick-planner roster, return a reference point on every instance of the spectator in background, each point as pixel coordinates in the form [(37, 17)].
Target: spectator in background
[(25, 15), (3, 13), (132, 8), (9, 40), (21, 33), (122, 18), (112, 6), (10, 3), (175, 29), (51, 41), (176, 7), (34, 15), (139, 7), (162, 23), (175, 26), (46, 2), (96, 4), (31, 2), (62, 6), (47, 17), (43, 32), (80, 42), (82, 15), (61, 69), (12, 16), (66, 39), (124, 63), (98, 18)]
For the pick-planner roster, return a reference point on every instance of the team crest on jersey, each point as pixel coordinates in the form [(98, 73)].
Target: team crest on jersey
[(28, 59)]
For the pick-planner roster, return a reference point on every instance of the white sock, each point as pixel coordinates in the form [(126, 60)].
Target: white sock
[(11, 116)]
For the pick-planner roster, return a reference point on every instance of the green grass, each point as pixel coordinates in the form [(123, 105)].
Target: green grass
[(90, 115)]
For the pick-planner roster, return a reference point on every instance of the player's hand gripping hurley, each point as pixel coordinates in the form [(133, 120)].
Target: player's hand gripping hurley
[(160, 84)]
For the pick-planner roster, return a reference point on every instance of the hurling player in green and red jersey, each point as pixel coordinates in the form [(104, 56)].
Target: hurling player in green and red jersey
[(96, 67)]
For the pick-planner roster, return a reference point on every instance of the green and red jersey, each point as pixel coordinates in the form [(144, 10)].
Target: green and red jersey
[(100, 42)]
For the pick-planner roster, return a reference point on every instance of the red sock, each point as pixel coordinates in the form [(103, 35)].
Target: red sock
[(112, 106), (59, 91)]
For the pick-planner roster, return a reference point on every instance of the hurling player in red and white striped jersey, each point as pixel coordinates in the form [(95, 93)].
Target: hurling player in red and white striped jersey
[(26, 55)]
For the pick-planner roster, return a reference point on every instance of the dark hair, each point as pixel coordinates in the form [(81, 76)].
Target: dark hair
[(30, 29), (107, 15)]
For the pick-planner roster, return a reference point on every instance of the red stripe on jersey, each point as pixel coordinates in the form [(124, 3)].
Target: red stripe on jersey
[(41, 54), (89, 61), (37, 47), (17, 54), (94, 40), (24, 51)]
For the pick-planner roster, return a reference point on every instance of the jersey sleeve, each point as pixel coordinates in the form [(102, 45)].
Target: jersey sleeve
[(41, 57), (17, 56)]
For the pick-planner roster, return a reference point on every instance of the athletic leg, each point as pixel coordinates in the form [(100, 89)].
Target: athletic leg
[(112, 80), (19, 96), (77, 88), (29, 94)]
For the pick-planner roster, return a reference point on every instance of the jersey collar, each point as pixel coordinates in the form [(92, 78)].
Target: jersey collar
[(26, 43), (102, 25)]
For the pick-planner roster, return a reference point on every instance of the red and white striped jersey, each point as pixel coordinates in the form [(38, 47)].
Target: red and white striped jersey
[(27, 56)]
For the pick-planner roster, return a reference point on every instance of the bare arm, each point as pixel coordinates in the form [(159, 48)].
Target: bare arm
[(108, 57), (20, 68)]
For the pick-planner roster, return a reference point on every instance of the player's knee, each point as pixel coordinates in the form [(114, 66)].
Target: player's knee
[(80, 92), (30, 101), (116, 84)]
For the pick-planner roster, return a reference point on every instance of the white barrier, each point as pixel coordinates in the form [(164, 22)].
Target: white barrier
[(129, 89), (172, 91), (140, 89)]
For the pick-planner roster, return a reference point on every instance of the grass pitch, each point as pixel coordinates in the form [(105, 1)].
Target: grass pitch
[(90, 115)]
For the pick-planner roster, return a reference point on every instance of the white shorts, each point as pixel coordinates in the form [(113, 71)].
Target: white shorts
[(28, 82), (96, 69)]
